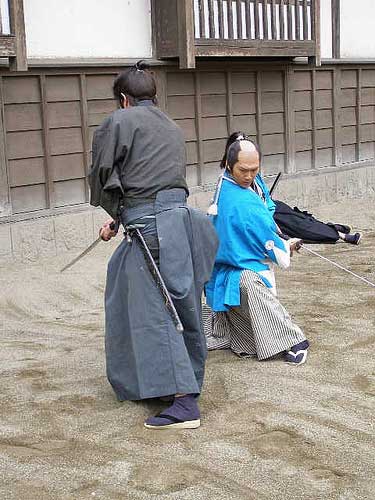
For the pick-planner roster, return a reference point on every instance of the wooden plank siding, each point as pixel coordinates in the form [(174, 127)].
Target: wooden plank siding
[(303, 118)]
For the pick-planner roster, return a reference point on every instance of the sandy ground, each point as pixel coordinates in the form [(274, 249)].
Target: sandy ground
[(269, 430)]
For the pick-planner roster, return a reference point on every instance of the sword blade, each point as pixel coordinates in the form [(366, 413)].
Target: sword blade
[(338, 265), (82, 254)]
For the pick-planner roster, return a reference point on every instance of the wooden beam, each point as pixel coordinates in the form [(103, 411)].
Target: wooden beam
[(336, 29), (198, 126), (258, 107), (211, 18), (8, 46), (257, 20), (202, 19), (289, 121), (248, 19), (186, 36), (230, 19), (229, 103), (221, 18), (273, 20), (49, 184), (5, 198), (239, 19), (315, 11), (17, 27), (313, 118), (265, 19), (85, 131), (305, 21), (337, 128), (282, 22), (358, 114)]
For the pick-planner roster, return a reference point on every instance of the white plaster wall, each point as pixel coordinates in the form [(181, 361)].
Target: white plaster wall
[(358, 28), (326, 28), (88, 28)]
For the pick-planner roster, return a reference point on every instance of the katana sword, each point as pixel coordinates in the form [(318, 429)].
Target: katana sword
[(337, 265), (155, 273), (112, 226), (275, 183)]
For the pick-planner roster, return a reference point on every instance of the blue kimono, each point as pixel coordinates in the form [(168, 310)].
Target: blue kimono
[(248, 239)]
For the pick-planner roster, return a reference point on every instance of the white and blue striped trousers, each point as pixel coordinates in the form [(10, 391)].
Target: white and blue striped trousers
[(260, 326)]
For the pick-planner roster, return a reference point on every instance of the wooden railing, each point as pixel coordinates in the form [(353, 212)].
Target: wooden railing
[(12, 34), (282, 28), (286, 20)]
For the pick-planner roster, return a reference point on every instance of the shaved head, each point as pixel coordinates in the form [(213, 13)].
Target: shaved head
[(242, 150)]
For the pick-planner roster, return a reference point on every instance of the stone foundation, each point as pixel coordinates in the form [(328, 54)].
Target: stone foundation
[(42, 236)]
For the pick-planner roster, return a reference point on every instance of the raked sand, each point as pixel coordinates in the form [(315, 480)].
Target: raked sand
[(269, 430)]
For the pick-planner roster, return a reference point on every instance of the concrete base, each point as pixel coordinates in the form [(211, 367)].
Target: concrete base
[(34, 238)]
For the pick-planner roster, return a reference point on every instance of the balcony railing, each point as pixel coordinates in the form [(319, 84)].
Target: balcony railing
[(12, 34), (259, 28)]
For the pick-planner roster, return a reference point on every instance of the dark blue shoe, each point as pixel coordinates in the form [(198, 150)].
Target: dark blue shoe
[(183, 414), (297, 354)]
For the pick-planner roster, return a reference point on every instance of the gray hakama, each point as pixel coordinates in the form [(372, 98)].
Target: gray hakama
[(146, 356)]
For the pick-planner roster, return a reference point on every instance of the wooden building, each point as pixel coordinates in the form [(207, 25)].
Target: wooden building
[(297, 75)]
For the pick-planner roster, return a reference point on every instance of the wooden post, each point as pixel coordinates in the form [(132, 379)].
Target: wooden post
[(229, 103), (289, 121), (186, 35), (358, 114), (198, 125), (85, 131), (50, 187), (5, 205), (336, 28), (17, 28), (337, 130), (315, 17), (313, 118)]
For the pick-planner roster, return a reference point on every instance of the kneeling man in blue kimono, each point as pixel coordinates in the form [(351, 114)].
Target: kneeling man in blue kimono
[(247, 316)]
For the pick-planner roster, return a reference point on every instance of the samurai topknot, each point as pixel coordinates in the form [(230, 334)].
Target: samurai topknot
[(137, 83), (238, 141)]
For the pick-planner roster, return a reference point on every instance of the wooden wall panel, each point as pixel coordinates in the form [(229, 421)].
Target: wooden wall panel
[(100, 86), (214, 105), (245, 123), (244, 104), (23, 117), (21, 90), (180, 107), (213, 83), (98, 110), (243, 82), (180, 84), (26, 171), (71, 192), (24, 144), (314, 117), (68, 166), (62, 88), (65, 141), (28, 198), (64, 114)]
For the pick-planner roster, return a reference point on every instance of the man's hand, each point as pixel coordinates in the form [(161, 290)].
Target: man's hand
[(106, 232), (295, 245)]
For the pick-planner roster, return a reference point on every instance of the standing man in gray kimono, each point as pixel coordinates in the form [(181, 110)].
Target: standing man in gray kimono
[(138, 177)]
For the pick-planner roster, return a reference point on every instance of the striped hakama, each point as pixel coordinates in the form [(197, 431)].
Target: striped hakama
[(259, 326)]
